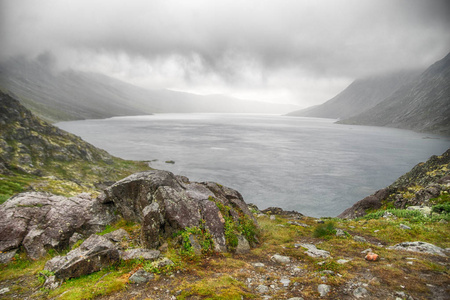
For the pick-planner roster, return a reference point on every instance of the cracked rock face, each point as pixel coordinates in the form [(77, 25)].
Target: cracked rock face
[(164, 204), (41, 221)]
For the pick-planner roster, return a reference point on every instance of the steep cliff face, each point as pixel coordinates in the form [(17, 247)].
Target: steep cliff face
[(423, 105), (32, 147), (359, 96)]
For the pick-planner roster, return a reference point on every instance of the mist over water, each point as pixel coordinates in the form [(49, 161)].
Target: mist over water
[(310, 165)]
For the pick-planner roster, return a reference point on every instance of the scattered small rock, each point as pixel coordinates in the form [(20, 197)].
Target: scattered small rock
[(140, 253), (340, 232), (342, 261), (403, 226), (323, 289), (4, 291), (366, 251), (141, 276), (296, 298), (285, 281), (359, 239), (313, 251), (258, 265), (262, 289), (418, 246), (281, 259), (328, 272), (360, 292), (272, 217)]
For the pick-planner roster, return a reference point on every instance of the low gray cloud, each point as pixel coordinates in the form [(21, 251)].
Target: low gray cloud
[(300, 51)]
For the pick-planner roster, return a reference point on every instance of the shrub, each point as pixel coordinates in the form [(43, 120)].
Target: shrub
[(325, 230)]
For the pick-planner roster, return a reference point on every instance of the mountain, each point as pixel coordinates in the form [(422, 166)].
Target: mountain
[(43, 157), (422, 105), (72, 95), (359, 96)]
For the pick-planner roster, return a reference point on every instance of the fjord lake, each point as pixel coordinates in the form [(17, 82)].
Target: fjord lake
[(310, 165)]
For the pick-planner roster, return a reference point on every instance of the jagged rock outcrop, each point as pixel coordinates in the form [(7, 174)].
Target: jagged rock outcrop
[(424, 182), (165, 204), (95, 253), (40, 221)]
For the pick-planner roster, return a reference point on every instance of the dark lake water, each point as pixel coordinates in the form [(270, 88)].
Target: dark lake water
[(306, 164)]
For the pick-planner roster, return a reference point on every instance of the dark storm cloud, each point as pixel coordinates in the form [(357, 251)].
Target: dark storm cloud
[(237, 44)]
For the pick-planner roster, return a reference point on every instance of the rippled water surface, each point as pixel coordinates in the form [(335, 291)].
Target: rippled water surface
[(310, 165)]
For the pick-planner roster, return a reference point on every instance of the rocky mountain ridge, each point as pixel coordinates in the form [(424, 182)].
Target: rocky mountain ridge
[(423, 105), (360, 95)]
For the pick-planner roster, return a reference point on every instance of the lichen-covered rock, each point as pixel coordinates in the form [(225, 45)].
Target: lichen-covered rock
[(139, 253), (95, 253), (41, 221), (418, 246), (165, 204)]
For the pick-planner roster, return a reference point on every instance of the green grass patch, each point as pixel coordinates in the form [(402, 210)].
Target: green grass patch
[(326, 230), (222, 288)]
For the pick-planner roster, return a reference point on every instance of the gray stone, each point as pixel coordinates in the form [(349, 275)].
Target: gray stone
[(403, 226), (296, 298), (342, 261), (272, 217), (323, 289), (95, 253), (4, 290), (329, 272), (6, 257), (425, 210), (75, 238), (118, 235), (141, 276), (162, 263), (360, 292), (41, 221), (258, 265), (340, 232), (139, 253), (366, 251), (281, 259), (165, 204), (421, 247), (262, 289), (243, 245), (51, 283), (359, 239), (285, 281), (313, 251)]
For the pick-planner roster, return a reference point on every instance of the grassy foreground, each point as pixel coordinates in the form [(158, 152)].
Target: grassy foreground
[(398, 274)]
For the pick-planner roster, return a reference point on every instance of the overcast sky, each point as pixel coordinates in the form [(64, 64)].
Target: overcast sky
[(296, 51)]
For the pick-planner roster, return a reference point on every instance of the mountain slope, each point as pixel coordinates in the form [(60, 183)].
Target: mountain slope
[(73, 95), (359, 96), (423, 105), (50, 159)]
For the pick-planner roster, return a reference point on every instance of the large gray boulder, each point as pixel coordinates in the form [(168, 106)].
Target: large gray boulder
[(41, 221), (165, 204), (95, 253)]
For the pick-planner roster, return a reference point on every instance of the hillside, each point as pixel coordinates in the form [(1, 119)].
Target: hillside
[(38, 156), (73, 95), (359, 96), (423, 105)]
